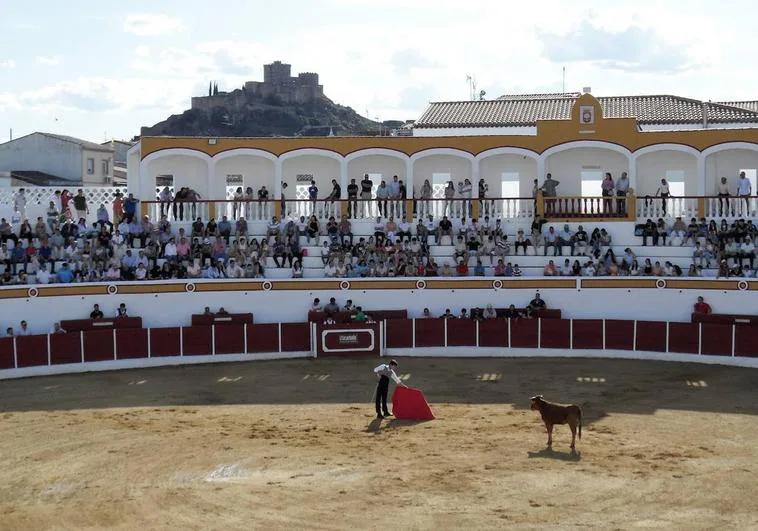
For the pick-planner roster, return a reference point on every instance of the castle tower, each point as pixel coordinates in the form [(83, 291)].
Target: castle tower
[(277, 73)]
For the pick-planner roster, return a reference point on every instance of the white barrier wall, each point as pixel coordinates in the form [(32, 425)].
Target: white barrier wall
[(290, 300)]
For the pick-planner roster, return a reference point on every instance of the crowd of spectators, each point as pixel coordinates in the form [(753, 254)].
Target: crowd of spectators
[(129, 248)]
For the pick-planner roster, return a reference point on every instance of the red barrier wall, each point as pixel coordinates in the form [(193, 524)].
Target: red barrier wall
[(230, 339), (263, 338), (746, 341), (461, 333), (493, 333), (7, 360), (399, 333), (31, 351), (684, 338), (98, 345), (717, 339), (524, 333), (296, 337), (165, 342), (197, 340), (131, 343), (65, 348), (651, 335), (555, 333), (430, 333), (588, 333)]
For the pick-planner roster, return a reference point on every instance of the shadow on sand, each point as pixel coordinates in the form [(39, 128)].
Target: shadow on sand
[(375, 426), (549, 453)]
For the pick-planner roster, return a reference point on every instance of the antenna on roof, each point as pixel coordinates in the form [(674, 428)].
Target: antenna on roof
[(563, 86), (471, 80)]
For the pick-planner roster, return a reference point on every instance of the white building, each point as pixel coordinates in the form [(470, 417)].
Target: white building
[(45, 159)]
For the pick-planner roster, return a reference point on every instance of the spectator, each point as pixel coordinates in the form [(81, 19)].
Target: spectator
[(702, 307), (96, 313), (121, 310), (24, 330), (316, 305), (537, 302), (57, 329), (332, 307), (489, 312), (65, 275)]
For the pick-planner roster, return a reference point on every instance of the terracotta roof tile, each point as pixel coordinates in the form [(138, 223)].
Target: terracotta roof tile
[(525, 110)]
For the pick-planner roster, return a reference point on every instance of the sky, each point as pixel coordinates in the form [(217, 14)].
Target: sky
[(99, 71)]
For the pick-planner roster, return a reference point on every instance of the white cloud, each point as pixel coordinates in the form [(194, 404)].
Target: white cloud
[(152, 24), (633, 49), (8, 102), (47, 61), (142, 51), (8, 63), (411, 59)]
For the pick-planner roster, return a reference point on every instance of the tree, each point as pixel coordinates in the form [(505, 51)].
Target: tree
[(215, 89), (210, 88)]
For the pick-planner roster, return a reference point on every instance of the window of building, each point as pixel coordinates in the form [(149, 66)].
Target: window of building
[(106, 167), (90, 166)]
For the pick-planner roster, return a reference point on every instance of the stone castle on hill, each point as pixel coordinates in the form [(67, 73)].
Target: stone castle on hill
[(278, 83)]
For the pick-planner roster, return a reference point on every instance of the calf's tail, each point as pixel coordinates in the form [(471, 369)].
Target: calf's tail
[(580, 423)]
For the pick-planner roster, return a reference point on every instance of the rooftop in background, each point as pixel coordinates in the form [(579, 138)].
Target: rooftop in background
[(39, 178), (520, 110), (86, 144)]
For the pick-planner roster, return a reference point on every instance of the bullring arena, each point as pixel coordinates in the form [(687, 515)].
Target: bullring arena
[(294, 444), (165, 412)]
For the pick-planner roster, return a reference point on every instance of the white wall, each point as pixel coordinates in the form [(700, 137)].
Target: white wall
[(38, 152), (175, 309), (727, 164), (491, 169), (567, 167), (255, 171), (324, 169), (187, 171), (459, 168), (652, 167), (386, 165)]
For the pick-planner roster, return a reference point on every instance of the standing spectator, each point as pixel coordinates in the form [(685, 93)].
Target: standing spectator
[(352, 199), (130, 208), (313, 196), (664, 194), (722, 191), (165, 197), (607, 187), (465, 191), (335, 194), (537, 302), (622, 189), (702, 307), (426, 196), (549, 191), (394, 197), (283, 202), (449, 192), (367, 185), (24, 330), (484, 205), (744, 190), (262, 202), (382, 194), (80, 205), (19, 203)]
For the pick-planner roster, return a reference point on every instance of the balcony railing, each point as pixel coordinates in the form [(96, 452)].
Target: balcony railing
[(562, 208)]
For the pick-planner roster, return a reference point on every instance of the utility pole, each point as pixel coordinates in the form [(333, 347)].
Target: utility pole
[(563, 87)]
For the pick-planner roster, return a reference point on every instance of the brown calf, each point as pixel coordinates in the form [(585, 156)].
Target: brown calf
[(558, 414)]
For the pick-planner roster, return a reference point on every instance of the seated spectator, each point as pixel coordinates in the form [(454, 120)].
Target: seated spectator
[(207, 312), (297, 269), (678, 232), (516, 271), (462, 268), (359, 315), (24, 330), (332, 307), (427, 314), (447, 271), (747, 251), (225, 229), (345, 231), (65, 275), (702, 307), (489, 312), (121, 310), (313, 229), (479, 269), (550, 270), (580, 241), (445, 228), (537, 302), (512, 313), (500, 269), (447, 315), (723, 270), (521, 241), (57, 329), (222, 312)]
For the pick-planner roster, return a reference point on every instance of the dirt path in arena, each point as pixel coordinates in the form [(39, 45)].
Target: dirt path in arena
[(293, 445)]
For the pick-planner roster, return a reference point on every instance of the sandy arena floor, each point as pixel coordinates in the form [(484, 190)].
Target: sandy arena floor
[(294, 445)]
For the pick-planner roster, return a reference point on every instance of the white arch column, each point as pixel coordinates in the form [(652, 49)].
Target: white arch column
[(278, 178), (409, 178), (700, 174), (343, 178)]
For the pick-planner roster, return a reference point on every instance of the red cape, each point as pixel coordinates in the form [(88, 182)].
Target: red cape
[(410, 404)]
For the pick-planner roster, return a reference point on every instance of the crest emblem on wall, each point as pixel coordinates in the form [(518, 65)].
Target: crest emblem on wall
[(587, 114)]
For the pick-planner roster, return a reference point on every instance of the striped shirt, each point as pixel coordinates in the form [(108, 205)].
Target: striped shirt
[(386, 370)]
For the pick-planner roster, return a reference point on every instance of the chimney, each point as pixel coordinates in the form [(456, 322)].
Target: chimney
[(587, 90), (705, 115)]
